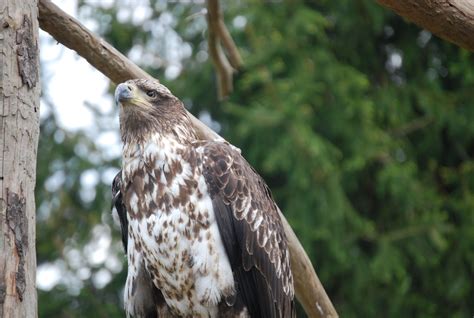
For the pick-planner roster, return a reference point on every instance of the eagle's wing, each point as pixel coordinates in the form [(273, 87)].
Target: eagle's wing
[(119, 206), (251, 229), (143, 299)]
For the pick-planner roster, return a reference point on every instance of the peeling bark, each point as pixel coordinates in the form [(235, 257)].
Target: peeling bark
[(18, 224), (27, 53)]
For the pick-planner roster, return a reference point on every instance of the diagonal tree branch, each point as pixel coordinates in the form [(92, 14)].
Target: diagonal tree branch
[(451, 20), (70, 32)]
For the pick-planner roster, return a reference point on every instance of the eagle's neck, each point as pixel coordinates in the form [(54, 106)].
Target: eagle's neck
[(156, 150), (137, 127)]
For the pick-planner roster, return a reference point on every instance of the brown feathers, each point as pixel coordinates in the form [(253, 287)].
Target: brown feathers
[(247, 214)]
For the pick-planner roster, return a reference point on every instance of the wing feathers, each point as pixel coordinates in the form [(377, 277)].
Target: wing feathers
[(117, 203), (251, 230)]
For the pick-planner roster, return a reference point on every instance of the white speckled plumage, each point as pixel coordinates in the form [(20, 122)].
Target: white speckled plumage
[(208, 276)]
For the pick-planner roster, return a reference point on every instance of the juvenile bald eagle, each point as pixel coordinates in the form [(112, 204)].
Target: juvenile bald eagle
[(202, 233)]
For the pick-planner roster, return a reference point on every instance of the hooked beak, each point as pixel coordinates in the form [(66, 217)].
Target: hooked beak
[(123, 93)]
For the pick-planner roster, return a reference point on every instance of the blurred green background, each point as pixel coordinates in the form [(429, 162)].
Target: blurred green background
[(361, 124)]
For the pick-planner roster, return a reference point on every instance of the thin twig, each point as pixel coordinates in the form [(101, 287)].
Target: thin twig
[(412, 126), (223, 67), (222, 34), (234, 56)]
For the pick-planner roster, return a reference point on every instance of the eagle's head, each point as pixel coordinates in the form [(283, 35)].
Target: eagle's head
[(147, 107)]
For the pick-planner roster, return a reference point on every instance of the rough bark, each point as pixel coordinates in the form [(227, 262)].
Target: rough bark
[(118, 68), (451, 20), (19, 131)]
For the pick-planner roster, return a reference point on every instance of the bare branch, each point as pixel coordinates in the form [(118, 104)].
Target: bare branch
[(118, 68), (71, 33), (452, 20), (309, 290), (223, 67), (217, 25), (234, 56)]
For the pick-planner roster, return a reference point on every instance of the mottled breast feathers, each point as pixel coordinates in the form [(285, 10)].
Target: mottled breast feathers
[(250, 227)]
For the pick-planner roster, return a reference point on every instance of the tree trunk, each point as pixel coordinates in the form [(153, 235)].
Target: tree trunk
[(19, 130)]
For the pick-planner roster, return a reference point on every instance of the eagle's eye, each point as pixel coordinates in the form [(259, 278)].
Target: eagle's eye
[(151, 93)]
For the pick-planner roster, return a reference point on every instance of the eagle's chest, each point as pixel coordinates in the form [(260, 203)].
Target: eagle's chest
[(173, 228)]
